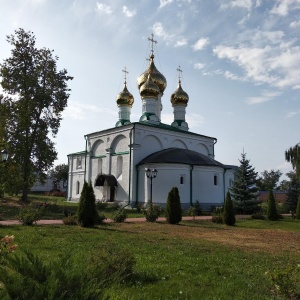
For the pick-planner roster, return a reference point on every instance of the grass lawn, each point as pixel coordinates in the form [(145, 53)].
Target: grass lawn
[(193, 260)]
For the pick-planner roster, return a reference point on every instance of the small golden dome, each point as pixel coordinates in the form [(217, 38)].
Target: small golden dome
[(156, 76), (125, 98), (149, 88), (179, 97)]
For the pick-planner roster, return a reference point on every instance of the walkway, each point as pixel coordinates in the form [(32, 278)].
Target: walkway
[(129, 220)]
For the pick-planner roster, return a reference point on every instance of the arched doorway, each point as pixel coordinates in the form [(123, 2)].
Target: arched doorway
[(109, 183)]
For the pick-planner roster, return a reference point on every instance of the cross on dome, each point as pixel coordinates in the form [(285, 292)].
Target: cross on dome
[(179, 73), (152, 43), (125, 73)]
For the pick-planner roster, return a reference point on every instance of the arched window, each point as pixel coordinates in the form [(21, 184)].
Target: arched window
[(100, 165), (77, 187), (119, 166)]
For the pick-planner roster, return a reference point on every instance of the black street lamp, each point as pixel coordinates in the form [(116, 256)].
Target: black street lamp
[(4, 155), (151, 174)]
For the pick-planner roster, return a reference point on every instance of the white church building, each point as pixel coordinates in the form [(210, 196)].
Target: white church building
[(116, 160)]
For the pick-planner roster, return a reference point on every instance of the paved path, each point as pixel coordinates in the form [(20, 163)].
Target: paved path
[(129, 220)]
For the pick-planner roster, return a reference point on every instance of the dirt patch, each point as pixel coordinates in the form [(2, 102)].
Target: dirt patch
[(271, 241)]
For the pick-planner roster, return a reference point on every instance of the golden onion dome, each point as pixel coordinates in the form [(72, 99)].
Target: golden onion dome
[(125, 98), (149, 88), (179, 97), (156, 76)]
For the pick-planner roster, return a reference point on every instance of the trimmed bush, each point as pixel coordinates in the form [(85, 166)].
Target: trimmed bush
[(173, 207), (87, 213), (152, 212), (271, 207), (228, 213), (29, 215), (120, 215), (298, 209), (70, 220)]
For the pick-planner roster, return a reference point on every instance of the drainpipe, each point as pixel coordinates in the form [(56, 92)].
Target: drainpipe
[(191, 185), (215, 141), (130, 158), (137, 186), (85, 157)]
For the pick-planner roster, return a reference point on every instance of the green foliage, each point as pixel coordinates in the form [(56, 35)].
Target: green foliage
[(259, 216), (70, 220), (120, 215), (195, 210), (32, 111), (293, 192), (285, 283), (271, 207), (244, 191), (228, 213), (152, 212), (59, 173), (29, 215), (269, 180), (292, 155), (173, 207), (298, 209), (87, 213)]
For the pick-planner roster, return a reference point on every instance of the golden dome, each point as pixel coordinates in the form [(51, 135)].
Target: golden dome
[(149, 88), (179, 97), (125, 98), (156, 76)]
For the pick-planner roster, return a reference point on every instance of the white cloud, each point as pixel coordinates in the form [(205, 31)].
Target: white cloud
[(180, 43), (247, 4), (293, 114), (158, 30), (199, 66), (283, 7), (295, 24), (230, 75), (164, 3), (127, 12), (276, 66), (194, 120), (265, 97), (200, 44), (103, 8), (80, 111)]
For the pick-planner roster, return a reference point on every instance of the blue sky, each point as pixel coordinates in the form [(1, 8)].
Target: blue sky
[(240, 62)]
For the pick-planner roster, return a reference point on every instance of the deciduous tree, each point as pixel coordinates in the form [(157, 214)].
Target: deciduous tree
[(35, 95), (269, 180), (292, 155)]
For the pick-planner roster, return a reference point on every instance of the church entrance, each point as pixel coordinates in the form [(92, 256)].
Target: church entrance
[(109, 183)]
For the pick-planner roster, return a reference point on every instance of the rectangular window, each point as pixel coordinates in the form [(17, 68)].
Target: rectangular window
[(79, 162), (182, 181), (215, 180)]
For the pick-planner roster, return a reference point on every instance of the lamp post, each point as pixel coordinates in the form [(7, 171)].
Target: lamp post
[(4, 155), (151, 174)]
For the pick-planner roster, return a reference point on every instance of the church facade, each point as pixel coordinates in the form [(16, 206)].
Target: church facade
[(119, 160)]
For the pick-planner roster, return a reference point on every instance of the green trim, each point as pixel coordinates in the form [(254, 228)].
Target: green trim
[(99, 156), (120, 153), (191, 185), (76, 153), (179, 122)]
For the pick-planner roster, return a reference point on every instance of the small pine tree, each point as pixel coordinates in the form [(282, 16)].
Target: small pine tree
[(271, 207), (173, 208), (244, 191), (298, 209), (87, 213), (228, 213)]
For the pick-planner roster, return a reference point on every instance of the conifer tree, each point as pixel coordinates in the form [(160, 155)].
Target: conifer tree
[(87, 213), (173, 207), (271, 207), (298, 209), (244, 191), (228, 213)]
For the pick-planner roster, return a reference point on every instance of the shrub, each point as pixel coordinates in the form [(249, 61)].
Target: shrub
[(228, 213), (298, 209), (101, 205), (152, 212), (70, 220), (271, 207), (120, 215), (259, 216), (173, 207), (29, 215), (87, 213), (217, 219)]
